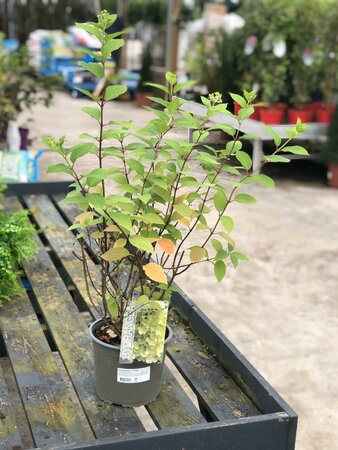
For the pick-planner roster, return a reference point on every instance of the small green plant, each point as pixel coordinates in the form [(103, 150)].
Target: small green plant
[(20, 85), (17, 243), (146, 206), (329, 152), (146, 75)]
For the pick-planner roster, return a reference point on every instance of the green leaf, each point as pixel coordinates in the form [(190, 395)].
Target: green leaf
[(111, 46), (217, 245), (112, 307), (276, 138), (158, 86), (79, 150), (245, 113), (141, 243), (93, 112), (54, 168), (276, 159), (261, 178), (153, 218), (122, 220), (245, 198), (239, 99), (93, 67), (233, 146), (115, 254), (135, 165), (114, 91), (228, 129), (90, 28), (95, 200), (244, 159), (87, 93), (219, 270), (183, 209), (171, 78), (295, 150), (159, 100), (184, 85), (220, 201), (227, 223)]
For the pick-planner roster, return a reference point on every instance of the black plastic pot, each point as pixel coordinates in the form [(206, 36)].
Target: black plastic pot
[(133, 384)]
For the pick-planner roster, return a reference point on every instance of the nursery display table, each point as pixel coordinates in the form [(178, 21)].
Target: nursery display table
[(229, 406), (314, 131)]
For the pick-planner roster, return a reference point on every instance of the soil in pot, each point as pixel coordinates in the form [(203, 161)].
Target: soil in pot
[(133, 384), (332, 175)]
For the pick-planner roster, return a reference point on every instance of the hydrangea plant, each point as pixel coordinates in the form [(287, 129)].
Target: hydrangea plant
[(146, 205)]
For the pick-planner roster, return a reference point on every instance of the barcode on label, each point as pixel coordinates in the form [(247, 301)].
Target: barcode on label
[(133, 375)]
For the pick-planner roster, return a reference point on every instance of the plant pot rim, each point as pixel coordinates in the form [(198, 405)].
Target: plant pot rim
[(117, 347)]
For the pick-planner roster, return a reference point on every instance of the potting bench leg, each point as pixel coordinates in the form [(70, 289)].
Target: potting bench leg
[(257, 153)]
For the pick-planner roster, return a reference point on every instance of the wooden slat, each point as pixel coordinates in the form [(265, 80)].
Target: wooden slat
[(51, 413), (68, 211), (62, 242), (9, 434), (70, 334), (173, 408), (215, 389)]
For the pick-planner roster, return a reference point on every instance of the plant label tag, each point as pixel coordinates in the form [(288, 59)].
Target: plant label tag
[(127, 337), (133, 375)]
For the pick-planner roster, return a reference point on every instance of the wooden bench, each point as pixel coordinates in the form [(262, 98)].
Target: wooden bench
[(227, 405), (314, 131)]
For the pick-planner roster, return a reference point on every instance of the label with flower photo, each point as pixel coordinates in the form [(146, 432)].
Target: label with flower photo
[(143, 332)]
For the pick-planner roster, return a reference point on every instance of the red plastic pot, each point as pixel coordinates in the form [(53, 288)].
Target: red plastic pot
[(271, 116), (304, 115), (332, 175), (324, 112)]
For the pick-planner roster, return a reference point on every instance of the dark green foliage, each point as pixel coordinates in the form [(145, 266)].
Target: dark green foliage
[(330, 148), (17, 243), (146, 75)]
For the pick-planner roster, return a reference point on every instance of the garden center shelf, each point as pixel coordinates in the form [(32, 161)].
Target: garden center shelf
[(228, 404)]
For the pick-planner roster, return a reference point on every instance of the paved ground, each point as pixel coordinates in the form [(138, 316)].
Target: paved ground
[(280, 309)]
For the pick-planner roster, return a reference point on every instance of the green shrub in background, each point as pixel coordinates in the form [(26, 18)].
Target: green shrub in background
[(329, 152), (17, 243)]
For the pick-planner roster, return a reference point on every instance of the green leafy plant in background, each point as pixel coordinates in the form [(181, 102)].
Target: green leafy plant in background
[(155, 206), (146, 75), (329, 150), (17, 243), (21, 86)]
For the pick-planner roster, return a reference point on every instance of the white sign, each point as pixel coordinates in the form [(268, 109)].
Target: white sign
[(133, 375)]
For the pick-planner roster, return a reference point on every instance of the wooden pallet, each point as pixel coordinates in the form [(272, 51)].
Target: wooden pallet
[(227, 404)]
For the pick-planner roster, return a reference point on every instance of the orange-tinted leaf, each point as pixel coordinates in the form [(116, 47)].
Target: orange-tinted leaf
[(166, 245), (197, 254), (155, 273)]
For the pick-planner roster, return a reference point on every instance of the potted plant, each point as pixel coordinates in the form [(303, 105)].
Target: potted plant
[(144, 90), (329, 151), (145, 213), (17, 243), (20, 87)]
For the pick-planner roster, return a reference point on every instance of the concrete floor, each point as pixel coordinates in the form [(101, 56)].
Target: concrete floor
[(280, 309)]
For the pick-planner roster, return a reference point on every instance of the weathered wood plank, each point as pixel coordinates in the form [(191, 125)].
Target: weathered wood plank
[(62, 242), (70, 334), (9, 435), (51, 413), (215, 389), (68, 211), (173, 408)]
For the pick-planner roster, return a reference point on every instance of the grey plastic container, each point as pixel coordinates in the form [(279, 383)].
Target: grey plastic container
[(107, 368)]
